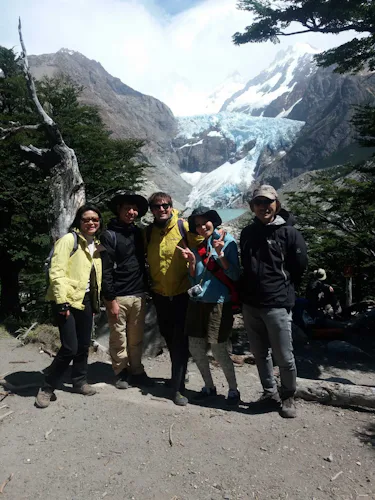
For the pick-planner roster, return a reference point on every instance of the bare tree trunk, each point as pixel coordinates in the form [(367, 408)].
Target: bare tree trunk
[(66, 183), (335, 394)]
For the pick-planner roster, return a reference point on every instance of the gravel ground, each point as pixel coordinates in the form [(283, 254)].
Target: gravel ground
[(116, 444)]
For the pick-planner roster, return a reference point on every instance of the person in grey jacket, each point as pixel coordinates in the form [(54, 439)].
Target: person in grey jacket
[(274, 257)]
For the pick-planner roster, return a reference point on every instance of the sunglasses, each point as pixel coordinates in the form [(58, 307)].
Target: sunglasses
[(86, 220), (263, 202), (158, 206)]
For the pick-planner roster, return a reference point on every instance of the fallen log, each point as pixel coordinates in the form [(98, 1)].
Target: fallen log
[(335, 394)]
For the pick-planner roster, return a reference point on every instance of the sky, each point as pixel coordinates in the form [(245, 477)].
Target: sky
[(175, 50)]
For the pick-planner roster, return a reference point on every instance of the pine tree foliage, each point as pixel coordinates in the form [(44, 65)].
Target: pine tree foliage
[(273, 20), (337, 220), (105, 164)]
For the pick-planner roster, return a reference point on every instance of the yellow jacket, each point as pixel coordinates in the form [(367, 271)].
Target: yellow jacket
[(168, 269), (69, 275)]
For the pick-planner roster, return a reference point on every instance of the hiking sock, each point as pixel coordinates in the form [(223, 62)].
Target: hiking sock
[(220, 353), (197, 349)]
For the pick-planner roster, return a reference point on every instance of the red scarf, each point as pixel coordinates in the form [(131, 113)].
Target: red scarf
[(212, 265)]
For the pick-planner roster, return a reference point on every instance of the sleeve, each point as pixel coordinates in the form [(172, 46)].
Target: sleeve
[(231, 254), (297, 257), (108, 260), (59, 265)]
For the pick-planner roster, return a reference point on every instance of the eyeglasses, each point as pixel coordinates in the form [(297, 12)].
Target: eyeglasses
[(86, 220), (263, 202), (158, 206)]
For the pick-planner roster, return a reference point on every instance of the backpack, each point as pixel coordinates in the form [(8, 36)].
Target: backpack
[(181, 228), (47, 262)]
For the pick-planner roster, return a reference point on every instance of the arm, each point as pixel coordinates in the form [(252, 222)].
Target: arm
[(297, 257), (108, 259), (231, 262), (57, 273)]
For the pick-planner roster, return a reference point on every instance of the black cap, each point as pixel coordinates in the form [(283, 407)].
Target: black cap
[(132, 199), (211, 215)]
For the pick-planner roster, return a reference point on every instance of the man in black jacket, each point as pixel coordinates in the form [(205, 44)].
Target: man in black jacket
[(274, 258), (124, 287)]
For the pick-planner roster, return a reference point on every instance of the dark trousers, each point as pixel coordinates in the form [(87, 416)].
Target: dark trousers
[(171, 314), (75, 336)]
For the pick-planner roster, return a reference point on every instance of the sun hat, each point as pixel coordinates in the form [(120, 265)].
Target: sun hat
[(211, 215), (132, 199)]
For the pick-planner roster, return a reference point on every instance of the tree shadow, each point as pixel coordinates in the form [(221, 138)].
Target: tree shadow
[(367, 435)]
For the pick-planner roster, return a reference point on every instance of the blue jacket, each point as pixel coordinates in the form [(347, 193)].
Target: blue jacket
[(214, 291)]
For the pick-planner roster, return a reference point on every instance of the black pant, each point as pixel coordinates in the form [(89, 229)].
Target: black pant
[(171, 313), (75, 336)]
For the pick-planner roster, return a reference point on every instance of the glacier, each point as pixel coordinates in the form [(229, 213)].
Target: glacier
[(228, 182)]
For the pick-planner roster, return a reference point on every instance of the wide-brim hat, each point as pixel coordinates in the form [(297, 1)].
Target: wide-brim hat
[(132, 199), (211, 215)]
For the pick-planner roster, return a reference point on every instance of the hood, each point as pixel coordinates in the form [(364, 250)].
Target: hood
[(289, 218), (120, 227)]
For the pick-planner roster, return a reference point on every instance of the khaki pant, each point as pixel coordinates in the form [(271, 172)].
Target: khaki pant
[(126, 335)]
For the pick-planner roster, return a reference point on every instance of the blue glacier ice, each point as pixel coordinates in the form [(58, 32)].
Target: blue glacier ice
[(221, 186)]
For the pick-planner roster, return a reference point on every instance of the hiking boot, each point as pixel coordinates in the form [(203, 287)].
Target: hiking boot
[(122, 380), (44, 397), (206, 393), (288, 408), (84, 389), (180, 400), (233, 398), (266, 403), (142, 380)]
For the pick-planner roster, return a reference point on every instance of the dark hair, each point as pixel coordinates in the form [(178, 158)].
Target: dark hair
[(159, 196), (76, 224)]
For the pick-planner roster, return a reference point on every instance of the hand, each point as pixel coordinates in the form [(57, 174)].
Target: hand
[(65, 313), (218, 244), (114, 308), (187, 254)]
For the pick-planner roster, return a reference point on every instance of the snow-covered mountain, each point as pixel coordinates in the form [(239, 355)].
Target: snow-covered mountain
[(276, 90), (223, 92), (253, 139)]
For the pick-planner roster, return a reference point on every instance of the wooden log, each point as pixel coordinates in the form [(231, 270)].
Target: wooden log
[(335, 394)]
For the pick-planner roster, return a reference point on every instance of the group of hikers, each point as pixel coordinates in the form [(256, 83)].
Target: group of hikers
[(192, 271)]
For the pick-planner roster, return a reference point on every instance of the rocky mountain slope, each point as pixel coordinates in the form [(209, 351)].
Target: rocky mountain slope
[(126, 112)]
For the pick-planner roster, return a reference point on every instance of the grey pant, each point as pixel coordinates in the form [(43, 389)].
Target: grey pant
[(272, 328)]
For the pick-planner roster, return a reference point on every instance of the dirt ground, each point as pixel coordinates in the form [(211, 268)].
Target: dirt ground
[(116, 444)]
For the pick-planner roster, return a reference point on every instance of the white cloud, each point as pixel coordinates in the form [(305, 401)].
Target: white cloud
[(177, 59)]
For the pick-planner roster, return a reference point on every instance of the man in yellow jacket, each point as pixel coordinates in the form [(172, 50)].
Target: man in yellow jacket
[(170, 282)]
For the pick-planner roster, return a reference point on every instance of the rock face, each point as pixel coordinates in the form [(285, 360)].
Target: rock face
[(328, 137), (205, 152), (126, 112)]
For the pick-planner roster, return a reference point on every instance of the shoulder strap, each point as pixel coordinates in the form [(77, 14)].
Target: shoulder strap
[(148, 232), (75, 243), (183, 233), (113, 237)]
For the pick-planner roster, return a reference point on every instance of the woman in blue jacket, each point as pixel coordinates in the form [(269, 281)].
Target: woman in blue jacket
[(213, 268)]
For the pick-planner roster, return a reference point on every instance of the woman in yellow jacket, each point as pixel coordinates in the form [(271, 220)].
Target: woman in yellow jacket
[(75, 277)]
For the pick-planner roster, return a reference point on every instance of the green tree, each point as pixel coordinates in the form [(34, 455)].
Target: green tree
[(338, 222), (105, 164), (273, 20)]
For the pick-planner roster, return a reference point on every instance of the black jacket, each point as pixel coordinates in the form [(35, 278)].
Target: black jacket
[(123, 261), (274, 257)]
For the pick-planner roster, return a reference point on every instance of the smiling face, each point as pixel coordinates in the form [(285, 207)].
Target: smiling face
[(264, 209), (89, 223), (203, 226), (161, 209), (127, 213)]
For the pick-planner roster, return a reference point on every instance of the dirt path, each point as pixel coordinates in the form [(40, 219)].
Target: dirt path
[(115, 445)]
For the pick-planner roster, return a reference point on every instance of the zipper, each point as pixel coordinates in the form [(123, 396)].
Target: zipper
[(282, 262)]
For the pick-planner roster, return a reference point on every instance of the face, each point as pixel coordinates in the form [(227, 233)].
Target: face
[(203, 226), (265, 209), (161, 210), (127, 213), (90, 223)]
